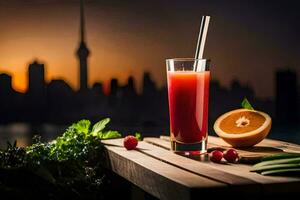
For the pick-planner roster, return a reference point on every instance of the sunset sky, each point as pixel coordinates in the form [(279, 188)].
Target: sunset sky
[(247, 40)]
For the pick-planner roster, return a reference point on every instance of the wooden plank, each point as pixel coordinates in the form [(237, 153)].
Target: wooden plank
[(240, 170), (250, 155), (284, 146), (213, 140), (238, 184), (265, 148), (163, 142), (154, 176), (199, 168)]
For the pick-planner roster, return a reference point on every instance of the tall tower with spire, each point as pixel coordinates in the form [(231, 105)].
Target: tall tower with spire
[(82, 52)]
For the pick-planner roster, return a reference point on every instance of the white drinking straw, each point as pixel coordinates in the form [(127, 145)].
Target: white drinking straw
[(202, 37)]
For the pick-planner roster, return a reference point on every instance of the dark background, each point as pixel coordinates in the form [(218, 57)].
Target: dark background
[(253, 45)]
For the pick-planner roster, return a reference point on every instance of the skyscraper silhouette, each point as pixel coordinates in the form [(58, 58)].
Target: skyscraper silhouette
[(36, 78), (5, 84), (36, 95), (286, 97), (83, 52)]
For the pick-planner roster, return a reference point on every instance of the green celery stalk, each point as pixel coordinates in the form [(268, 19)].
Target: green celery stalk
[(286, 172), (275, 167), (278, 161), (281, 156)]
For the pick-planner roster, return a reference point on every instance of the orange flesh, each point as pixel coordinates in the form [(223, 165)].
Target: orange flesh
[(228, 124)]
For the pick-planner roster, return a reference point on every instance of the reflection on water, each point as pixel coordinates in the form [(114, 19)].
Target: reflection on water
[(23, 132), (17, 131)]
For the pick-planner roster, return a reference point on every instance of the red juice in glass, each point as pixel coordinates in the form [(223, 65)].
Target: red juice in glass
[(188, 93)]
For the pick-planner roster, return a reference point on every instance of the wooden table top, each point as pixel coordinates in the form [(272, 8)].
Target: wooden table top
[(166, 175)]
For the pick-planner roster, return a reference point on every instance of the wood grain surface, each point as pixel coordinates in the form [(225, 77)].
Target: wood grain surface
[(166, 175)]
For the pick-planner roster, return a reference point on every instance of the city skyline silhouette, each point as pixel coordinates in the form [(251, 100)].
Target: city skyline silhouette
[(87, 101), (136, 36), (83, 53), (40, 94), (132, 108)]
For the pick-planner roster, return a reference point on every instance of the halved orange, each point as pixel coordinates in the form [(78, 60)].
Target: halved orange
[(243, 127)]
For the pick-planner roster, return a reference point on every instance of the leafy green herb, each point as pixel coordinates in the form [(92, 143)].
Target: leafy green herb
[(12, 157), (108, 135), (82, 126), (138, 136), (72, 159), (246, 104), (100, 126)]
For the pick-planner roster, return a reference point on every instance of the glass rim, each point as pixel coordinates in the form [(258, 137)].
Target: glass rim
[(186, 59)]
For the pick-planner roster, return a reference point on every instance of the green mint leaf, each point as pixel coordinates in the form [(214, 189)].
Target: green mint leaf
[(82, 126), (99, 126), (108, 135), (246, 104), (138, 136)]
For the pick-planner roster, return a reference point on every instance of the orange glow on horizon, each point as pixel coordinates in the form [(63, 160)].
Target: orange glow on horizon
[(126, 43), (53, 42)]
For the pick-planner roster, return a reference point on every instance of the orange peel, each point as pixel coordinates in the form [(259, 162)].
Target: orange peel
[(243, 127)]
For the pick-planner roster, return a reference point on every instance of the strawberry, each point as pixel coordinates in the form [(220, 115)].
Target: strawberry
[(130, 142)]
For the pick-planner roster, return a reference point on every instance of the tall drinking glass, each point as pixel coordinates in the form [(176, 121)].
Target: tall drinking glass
[(188, 91)]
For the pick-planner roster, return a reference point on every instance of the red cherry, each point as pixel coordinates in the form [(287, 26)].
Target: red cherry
[(216, 156), (130, 142), (231, 155)]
